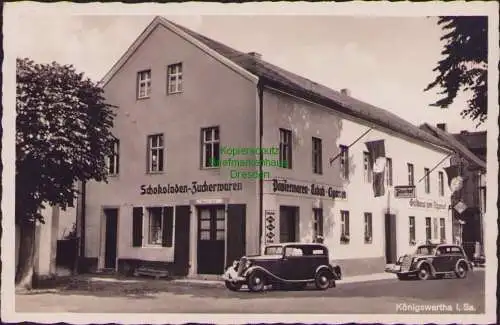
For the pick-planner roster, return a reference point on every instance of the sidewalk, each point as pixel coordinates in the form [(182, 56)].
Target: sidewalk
[(216, 281)]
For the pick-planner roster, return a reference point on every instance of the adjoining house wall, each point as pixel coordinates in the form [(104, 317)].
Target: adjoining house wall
[(307, 120), (212, 95)]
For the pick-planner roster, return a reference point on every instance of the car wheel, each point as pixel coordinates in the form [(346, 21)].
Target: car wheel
[(461, 271), (233, 286), (424, 273), (402, 277), (322, 280), (256, 282)]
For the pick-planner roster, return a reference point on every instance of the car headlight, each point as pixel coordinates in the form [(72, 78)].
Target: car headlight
[(235, 264), (248, 264)]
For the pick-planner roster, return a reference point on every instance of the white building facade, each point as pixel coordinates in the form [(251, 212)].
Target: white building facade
[(182, 98)]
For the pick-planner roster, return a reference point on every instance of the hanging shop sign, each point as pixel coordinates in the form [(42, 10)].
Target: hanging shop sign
[(195, 187), (405, 191), (460, 207), (284, 186), (416, 203)]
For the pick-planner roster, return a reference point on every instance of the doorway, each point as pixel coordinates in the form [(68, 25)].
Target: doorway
[(110, 244), (390, 239), (211, 239), (289, 224)]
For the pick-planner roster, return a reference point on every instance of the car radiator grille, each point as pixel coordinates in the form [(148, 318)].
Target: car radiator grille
[(406, 264)]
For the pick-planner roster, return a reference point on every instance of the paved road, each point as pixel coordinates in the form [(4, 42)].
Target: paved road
[(382, 296)]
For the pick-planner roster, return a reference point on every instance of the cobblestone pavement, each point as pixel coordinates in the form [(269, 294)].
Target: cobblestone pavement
[(160, 296)]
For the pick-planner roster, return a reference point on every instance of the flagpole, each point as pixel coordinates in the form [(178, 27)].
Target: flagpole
[(359, 138), (436, 166)]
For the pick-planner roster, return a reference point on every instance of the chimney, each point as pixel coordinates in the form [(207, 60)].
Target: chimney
[(442, 126), (255, 55), (345, 91)]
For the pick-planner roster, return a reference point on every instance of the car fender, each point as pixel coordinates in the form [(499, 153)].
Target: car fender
[(325, 267), (466, 263), (257, 268), (426, 262)]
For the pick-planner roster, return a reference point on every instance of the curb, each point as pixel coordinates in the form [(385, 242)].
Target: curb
[(220, 283)]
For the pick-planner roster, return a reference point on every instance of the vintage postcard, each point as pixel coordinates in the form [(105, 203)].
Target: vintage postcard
[(243, 163)]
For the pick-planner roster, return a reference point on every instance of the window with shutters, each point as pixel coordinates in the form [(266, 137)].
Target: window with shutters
[(152, 226)]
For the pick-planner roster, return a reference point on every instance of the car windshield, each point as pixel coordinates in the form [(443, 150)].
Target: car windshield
[(425, 250), (273, 250)]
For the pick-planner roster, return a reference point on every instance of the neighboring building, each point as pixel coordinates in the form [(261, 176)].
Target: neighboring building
[(57, 222), (182, 97), (470, 157)]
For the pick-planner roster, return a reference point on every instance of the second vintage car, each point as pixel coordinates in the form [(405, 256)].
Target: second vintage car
[(284, 264), (432, 261)]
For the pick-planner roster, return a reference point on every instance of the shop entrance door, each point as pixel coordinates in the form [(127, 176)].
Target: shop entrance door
[(390, 239), (211, 239), (289, 224), (110, 248)]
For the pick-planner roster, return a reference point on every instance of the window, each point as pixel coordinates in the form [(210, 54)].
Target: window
[(286, 148), (482, 198), (344, 230), (428, 230), (143, 84), (155, 229), (442, 229), (344, 162), (435, 227), (427, 181), (317, 159), (367, 167), (368, 228), (411, 223), (318, 225), (174, 78), (113, 160), (388, 170), (155, 226), (155, 153), (410, 175), (210, 144), (441, 183)]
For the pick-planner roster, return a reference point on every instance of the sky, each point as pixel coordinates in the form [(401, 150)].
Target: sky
[(385, 61)]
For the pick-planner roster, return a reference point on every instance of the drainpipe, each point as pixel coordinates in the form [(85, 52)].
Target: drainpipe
[(260, 90)]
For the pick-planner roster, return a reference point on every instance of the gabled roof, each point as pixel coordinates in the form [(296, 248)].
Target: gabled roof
[(472, 140), (455, 144), (286, 81)]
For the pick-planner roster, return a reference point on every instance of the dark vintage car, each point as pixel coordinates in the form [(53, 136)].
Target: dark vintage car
[(284, 265), (433, 261)]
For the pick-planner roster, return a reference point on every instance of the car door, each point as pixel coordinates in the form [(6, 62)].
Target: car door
[(293, 263), (441, 259)]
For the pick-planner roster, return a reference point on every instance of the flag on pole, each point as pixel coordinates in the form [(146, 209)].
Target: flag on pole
[(376, 151), (455, 181)]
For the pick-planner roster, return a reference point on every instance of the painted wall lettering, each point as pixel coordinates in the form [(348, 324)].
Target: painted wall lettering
[(415, 203), (194, 188), (313, 189)]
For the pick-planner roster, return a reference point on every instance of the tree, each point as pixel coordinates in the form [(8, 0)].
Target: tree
[(465, 65), (63, 134)]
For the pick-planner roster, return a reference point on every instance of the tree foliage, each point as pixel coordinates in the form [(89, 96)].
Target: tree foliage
[(465, 64), (63, 134)]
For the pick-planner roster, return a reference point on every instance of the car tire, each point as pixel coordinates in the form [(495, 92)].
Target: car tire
[(402, 277), (232, 286), (461, 270), (256, 282), (424, 273), (322, 280)]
